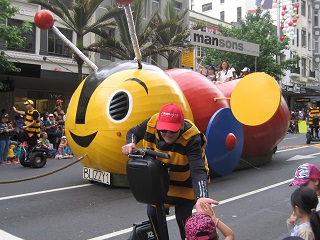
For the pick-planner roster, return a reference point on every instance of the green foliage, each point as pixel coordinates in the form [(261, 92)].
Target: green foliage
[(256, 28), (11, 34), (157, 34)]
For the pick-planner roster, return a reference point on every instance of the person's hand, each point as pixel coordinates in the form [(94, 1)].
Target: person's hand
[(127, 149), (24, 127), (207, 209), (205, 200), (14, 108), (293, 217)]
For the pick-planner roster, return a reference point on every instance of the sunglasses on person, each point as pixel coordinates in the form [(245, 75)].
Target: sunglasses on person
[(165, 131)]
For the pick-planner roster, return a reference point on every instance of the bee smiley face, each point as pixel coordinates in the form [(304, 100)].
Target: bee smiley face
[(108, 103)]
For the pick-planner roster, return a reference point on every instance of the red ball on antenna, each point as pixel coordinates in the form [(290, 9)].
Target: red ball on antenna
[(297, 5), (44, 19), (281, 38), (124, 2)]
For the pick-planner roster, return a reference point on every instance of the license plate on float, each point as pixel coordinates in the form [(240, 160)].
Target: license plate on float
[(96, 175)]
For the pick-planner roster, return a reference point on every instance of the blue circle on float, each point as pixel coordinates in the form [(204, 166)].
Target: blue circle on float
[(220, 159)]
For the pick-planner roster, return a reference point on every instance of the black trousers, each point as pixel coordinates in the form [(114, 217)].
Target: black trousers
[(32, 141), (182, 213), (316, 129)]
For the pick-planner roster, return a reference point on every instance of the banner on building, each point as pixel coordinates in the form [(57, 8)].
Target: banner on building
[(219, 42)]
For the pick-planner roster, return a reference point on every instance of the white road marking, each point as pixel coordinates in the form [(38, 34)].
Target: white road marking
[(42, 192), (7, 236), (290, 138)]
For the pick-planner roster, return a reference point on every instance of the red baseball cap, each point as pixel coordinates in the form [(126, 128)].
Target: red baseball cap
[(170, 118), (305, 173)]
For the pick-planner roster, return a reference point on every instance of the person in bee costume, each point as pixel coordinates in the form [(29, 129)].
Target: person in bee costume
[(314, 114), (32, 123), (168, 131)]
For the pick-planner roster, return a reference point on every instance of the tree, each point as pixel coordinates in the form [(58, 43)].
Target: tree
[(256, 28), (164, 35), (172, 32), (11, 34), (80, 19), (120, 46)]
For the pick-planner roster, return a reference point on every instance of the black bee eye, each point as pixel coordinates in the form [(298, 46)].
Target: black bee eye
[(119, 107)]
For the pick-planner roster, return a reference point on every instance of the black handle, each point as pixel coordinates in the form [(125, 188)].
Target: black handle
[(151, 152), (142, 153)]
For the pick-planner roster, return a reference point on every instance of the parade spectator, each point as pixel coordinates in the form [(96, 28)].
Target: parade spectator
[(5, 129), (32, 123), (46, 144), (51, 127), (168, 131), (211, 75), (314, 114), (205, 224), (234, 73), (224, 74), (12, 159), (64, 151), (308, 175), (304, 202), (244, 72)]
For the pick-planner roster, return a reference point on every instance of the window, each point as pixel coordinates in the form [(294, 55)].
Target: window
[(221, 1), (110, 32), (207, 7), (239, 16), (155, 6), (303, 7), (192, 5), (222, 16), (304, 67), (178, 6), (200, 52), (316, 18), (316, 44), (29, 45), (309, 42), (56, 46), (303, 38), (297, 37)]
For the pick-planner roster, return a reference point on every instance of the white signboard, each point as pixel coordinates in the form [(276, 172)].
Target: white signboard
[(219, 42)]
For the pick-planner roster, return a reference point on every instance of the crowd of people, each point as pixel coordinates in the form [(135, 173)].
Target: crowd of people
[(31, 128), (223, 73), (311, 116)]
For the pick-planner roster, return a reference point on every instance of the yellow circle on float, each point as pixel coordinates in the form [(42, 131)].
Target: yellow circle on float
[(255, 99)]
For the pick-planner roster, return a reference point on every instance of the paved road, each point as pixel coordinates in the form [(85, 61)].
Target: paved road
[(254, 202)]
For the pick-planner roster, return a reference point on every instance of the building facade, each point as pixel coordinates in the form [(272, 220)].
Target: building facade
[(45, 68)]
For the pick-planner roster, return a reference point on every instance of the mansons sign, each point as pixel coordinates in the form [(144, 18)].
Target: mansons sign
[(219, 42)]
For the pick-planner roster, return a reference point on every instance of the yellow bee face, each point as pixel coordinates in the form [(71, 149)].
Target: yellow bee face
[(111, 101)]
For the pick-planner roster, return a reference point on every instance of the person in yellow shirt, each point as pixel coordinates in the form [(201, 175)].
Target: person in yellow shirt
[(32, 123), (314, 114)]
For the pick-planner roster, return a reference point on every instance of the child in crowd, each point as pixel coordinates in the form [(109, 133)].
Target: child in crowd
[(63, 150), (203, 225), (308, 175), (11, 155), (304, 202)]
